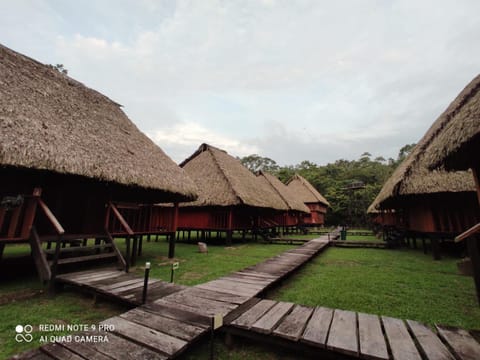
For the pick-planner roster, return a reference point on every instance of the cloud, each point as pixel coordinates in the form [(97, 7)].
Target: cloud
[(184, 138)]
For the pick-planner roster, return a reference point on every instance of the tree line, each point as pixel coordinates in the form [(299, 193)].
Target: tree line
[(350, 186)]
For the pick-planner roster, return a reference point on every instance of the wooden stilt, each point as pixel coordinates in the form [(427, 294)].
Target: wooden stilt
[(474, 253), (2, 248), (134, 250), (435, 248), (171, 246), (140, 245)]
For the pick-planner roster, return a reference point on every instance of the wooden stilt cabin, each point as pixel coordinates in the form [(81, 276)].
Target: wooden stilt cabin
[(305, 192), (72, 168), (455, 146), (433, 204), (293, 217), (231, 198)]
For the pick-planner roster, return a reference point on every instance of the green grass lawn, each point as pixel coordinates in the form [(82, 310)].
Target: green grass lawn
[(400, 283)]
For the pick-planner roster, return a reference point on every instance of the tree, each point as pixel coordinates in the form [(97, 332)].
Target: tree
[(256, 162), (404, 152), (60, 68)]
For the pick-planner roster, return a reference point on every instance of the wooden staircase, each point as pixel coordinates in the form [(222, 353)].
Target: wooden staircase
[(69, 250)]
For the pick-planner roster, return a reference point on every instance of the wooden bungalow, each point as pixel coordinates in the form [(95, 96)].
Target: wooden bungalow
[(433, 204), (306, 193), (231, 198), (72, 165), (292, 217), (455, 146)]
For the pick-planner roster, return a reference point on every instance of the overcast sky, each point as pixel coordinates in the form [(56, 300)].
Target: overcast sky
[(291, 80)]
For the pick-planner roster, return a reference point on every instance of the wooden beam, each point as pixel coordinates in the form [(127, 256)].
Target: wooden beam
[(53, 220), (120, 218), (28, 217), (39, 256), (14, 222), (466, 234)]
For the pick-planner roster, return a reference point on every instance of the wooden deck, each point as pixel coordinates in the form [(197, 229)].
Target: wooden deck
[(340, 334), (119, 285), (169, 323)]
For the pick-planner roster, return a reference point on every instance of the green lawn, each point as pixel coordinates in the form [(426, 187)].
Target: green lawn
[(400, 283)]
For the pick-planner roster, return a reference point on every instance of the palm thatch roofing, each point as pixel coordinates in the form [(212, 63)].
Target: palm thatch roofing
[(284, 192), (50, 122), (304, 191), (413, 176), (222, 180), (456, 140)]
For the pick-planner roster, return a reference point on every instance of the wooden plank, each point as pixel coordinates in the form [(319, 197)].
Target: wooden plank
[(84, 350), (120, 218), (171, 327), (53, 220), (370, 335), (463, 345), (155, 291), (12, 228), (249, 317), (167, 310), (58, 352), (206, 313), (317, 328), (256, 274), (120, 284), (34, 354), (39, 257), (293, 324), (136, 285), (119, 348), (217, 295), (153, 339), (271, 318), (430, 345), (343, 333), (90, 278), (86, 258), (231, 285), (401, 344), (235, 291), (212, 306)]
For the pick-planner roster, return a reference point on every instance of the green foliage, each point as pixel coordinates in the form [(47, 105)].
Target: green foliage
[(256, 162), (348, 206)]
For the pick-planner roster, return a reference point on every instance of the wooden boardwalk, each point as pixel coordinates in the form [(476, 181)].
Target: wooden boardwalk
[(336, 334), (122, 286), (166, 326)]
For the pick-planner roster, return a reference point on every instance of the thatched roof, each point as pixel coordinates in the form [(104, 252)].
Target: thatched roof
[(50, 122), (412, 176), (304, 191), (222, 180), (284, 192), (456, 140)]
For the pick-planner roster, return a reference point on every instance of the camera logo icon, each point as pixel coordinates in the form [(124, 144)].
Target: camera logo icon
[(23, 333)]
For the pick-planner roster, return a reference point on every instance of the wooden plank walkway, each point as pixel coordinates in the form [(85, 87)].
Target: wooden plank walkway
[(122, 286), (169, 323), (340, 334), (359, 244)]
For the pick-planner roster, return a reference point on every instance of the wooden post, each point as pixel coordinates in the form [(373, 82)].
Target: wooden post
[(189, 235), (140, 245), (127, 253), (229, 227), (435, 247), (474, 254), (476, 178), (134, 250), (171, 246), (2, 247)]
